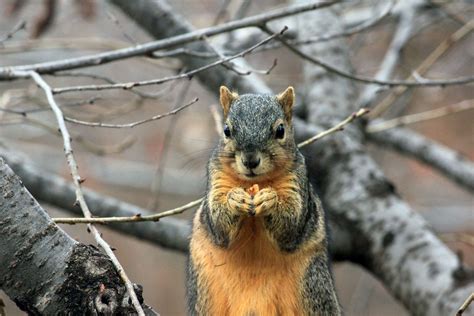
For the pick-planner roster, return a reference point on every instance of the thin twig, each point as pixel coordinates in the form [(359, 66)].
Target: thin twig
[(392, 55), (327, 37), (335, 128), (119, 26), (419, 117), (222, 11), (7, 73), (189, 74), (368, 80), (180, 209), (91, 100), (465, 305), (92, 43), (131, 125), (97, 149), (128, 219), (77, 182), (18, 27), (163, 149), (439, 51), (141, 94)]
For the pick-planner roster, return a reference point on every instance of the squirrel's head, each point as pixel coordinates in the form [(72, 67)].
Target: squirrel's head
[(257, 138)]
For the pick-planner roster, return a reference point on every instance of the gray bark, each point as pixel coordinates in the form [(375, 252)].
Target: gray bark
[(44, 270)]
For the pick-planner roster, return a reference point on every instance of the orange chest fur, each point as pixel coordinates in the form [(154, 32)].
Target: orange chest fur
[(252, 277)]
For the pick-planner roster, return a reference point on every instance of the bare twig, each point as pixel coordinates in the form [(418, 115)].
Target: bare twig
[(392, 55), (6, 73), (119, 26), (327, 37), (128, 219), (25, 112), (222, 11), (189, 74), (419, 117), (439, 51), (77, 183), (93, 43), (97, 149), (336, 128), (141, 94), (131, 125), (368, 80), (18, 27), (354, 30), (163, 149), (465, 305)]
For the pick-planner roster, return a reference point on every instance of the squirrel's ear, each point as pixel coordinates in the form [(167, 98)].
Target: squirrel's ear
[(226, 98), (286, 100)]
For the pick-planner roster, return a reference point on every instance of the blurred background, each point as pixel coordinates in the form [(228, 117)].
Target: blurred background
[(161, 164)]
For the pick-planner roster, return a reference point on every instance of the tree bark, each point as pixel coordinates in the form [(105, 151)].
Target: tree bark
[(46, 272)]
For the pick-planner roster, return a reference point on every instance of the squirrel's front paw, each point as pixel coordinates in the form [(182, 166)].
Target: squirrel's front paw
[(239, 201), (265, 200)]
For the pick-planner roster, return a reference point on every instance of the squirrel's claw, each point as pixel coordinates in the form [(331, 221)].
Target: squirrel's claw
[(239, 201), (265, 200)]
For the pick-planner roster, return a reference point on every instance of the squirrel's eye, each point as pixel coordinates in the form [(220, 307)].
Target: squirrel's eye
[(226, 130), (280, 131)]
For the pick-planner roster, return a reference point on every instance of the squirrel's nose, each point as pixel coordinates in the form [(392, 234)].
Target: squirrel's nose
[(250, 161)]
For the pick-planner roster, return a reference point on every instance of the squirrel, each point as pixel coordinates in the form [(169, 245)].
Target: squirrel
[(259, 243)]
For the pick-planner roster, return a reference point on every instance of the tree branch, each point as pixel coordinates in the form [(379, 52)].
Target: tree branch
[(77, 183), (6, 73), (189, 74), (445, 160), (381, 125), (40, 264), (367, 80), (439, 51), (390, 60)]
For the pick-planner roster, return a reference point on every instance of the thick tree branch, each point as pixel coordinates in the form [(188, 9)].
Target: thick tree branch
[(40, 264), (76, 179), (445, 160)]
